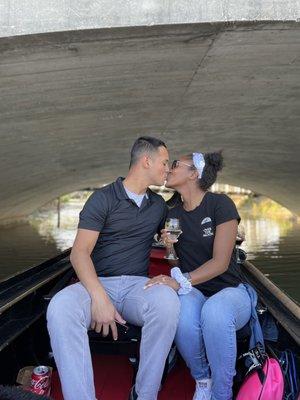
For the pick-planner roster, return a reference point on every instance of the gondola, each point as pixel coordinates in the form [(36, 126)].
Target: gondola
[(24, 339)]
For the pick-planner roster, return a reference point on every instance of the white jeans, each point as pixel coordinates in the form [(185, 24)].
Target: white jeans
[(156, 309)]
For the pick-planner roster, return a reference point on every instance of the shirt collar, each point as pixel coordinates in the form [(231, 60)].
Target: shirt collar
[(121, 192)]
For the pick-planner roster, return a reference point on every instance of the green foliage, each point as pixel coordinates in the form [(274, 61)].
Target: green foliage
[(263, 207)]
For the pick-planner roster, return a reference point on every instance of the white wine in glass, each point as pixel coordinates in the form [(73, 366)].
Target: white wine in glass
[(172, 226)]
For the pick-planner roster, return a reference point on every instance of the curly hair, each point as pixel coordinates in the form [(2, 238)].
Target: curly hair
[(213, 164)]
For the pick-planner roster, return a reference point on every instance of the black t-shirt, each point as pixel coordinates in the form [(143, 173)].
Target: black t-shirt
[(126, 230), (195, 244)]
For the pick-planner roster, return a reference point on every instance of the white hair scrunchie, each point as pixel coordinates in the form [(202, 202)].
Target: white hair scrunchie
[(199, 162)]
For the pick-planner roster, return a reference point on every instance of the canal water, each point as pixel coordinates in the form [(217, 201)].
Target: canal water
[(272, 245)]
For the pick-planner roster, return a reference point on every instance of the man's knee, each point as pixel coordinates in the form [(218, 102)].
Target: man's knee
[(62, 309), (164, 303)]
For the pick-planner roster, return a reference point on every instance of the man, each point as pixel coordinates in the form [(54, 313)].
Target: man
[(111, 256)]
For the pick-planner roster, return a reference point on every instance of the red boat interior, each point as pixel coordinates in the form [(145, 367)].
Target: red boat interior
[(113, 376)]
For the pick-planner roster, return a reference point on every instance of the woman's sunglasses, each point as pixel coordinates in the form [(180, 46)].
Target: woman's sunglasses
[(176, 163)]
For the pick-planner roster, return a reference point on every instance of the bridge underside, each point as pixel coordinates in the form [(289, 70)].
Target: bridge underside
[(72, 103)]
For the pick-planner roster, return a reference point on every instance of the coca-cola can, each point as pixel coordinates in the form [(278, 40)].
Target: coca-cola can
[(41, 380)]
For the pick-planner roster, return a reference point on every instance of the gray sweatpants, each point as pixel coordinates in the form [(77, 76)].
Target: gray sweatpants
[(156, 309)]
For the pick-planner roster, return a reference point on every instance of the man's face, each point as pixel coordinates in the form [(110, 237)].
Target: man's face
[(159, 166)]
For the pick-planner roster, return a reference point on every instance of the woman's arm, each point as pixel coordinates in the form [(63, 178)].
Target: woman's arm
[(222, 250), (223, 245)]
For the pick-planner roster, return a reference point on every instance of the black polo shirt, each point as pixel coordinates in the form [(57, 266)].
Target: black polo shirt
[(126, 230), (195, 245)]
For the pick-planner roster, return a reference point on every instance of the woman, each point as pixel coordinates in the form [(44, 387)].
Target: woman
[(214, 301)]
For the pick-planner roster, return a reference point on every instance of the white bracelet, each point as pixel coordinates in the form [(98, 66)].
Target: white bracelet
[(184, 283)]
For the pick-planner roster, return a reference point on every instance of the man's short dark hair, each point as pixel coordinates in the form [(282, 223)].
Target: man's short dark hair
[(142, 145)]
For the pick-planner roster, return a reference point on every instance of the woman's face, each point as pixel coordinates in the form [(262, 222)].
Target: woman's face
[(179, 173)]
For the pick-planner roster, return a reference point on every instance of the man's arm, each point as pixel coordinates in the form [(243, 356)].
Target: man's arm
[(103, 312)]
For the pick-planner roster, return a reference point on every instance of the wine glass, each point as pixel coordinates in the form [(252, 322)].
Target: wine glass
[(173, 229), (240, 237)]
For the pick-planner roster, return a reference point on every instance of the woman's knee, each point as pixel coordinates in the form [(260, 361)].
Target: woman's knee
[(190, 309), (230, 306), (215, 317)]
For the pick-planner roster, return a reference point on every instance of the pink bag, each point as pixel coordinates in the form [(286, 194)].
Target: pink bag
[(265, 383)]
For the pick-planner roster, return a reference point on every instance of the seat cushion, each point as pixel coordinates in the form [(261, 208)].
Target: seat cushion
[(243, 333)]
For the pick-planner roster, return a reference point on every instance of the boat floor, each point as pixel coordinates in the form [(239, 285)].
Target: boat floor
[(113, 377)]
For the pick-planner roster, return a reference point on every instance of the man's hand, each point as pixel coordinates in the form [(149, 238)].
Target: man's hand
[(104, 317), (162, 280)]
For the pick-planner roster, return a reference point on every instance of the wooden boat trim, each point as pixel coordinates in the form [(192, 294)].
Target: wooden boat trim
[(282, 307), (17, 276), (34, 288), (14, 326)]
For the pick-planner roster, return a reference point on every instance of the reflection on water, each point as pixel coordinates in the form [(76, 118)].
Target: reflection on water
[(31, 243), (274, 245), (264, 235), (46, 225), (22, 246)]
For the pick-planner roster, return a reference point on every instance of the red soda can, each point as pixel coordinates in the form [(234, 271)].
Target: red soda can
[(41, 380)]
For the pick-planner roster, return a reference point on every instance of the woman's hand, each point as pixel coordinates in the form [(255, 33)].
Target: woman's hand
[(163, 280)]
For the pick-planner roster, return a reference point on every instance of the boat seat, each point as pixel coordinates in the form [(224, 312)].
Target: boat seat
[(244, 333), (128, 343), (134, 334)]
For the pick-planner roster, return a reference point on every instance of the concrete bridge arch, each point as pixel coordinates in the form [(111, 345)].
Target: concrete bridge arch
[(72, 103)]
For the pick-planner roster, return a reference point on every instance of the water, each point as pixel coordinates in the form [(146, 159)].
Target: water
[(273, 246)]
